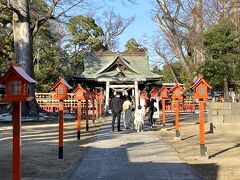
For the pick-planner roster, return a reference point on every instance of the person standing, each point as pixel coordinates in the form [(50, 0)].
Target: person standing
[(139, 118), (116, 106), (127, 112), (151, 111)]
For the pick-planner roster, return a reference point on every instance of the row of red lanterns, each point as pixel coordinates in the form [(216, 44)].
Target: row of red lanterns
[(61, 88), (17, 83), (200, 88)]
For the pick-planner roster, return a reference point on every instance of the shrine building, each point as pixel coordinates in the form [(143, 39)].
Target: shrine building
[(117, 72)]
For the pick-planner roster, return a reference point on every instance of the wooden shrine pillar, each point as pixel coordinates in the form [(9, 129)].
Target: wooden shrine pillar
[(136, 93), (107, 97)]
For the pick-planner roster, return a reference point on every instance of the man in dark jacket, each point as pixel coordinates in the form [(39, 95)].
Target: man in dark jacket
[(151, 111), (116, 111)]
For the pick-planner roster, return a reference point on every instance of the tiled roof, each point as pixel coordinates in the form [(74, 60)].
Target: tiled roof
[(95, 66)]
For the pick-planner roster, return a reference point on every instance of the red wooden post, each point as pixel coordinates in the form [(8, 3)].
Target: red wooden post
[(79, 107), (87, 128), (163, 95), (200, 88), (61, 87), (177, 95), (163, 114), (100, 107), (93, 107), (60, 129), (201, 128), (16, 161), (97, 107), (17, 82), (177, 118), (79, 95)]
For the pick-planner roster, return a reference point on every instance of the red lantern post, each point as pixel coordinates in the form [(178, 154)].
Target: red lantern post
[(163, 95), (97, 104), (86, 108), (17, 83), (101, 102), (200, 88), (177, 95), (92, 97), (79, 95), (61, 87)]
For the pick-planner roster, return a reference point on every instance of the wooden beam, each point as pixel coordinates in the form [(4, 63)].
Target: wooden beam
[(121, 86)]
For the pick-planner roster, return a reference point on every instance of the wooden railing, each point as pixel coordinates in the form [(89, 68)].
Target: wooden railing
[(47, 102), (184, 106)]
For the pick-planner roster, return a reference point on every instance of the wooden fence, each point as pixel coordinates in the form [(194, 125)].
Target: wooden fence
[(47, 102)]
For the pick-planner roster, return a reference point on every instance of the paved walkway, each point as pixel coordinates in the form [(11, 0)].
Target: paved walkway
[(128, 155)]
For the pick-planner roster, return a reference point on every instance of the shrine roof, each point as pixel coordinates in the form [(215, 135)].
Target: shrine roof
[(135, 65)]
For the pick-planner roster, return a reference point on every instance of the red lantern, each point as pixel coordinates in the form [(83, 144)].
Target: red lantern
[(177, 91), (200, 88), (61, 88), (17, 83), (79, 92), (163, 93), (154, 92), (79, 95)]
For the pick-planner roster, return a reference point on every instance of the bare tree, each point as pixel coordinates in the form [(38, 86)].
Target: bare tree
[(26, 25), (182, 24), (235, 4), (113, 26), (164, 49), (167, 23)]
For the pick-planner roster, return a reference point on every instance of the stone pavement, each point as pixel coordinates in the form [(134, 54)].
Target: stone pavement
[(128, 155)]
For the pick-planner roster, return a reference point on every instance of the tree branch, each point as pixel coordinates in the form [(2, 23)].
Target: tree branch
[(10, 7)]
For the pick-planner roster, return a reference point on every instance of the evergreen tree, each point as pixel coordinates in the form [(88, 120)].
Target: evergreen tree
[(223, 60)]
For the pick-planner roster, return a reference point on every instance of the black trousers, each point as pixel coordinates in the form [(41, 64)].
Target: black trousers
[(116, 115), (150, 117)]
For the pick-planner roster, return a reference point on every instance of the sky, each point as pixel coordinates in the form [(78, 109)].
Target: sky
[(142, 27)]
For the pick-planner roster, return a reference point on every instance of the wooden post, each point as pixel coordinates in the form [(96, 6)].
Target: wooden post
[(97, 108), (203, 149), (177, 118), (163, 114), (107, 97), (60, 114), (100, 107), (136, 94), (93, 112), (16, 119), (86, 105), (79, 107)]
